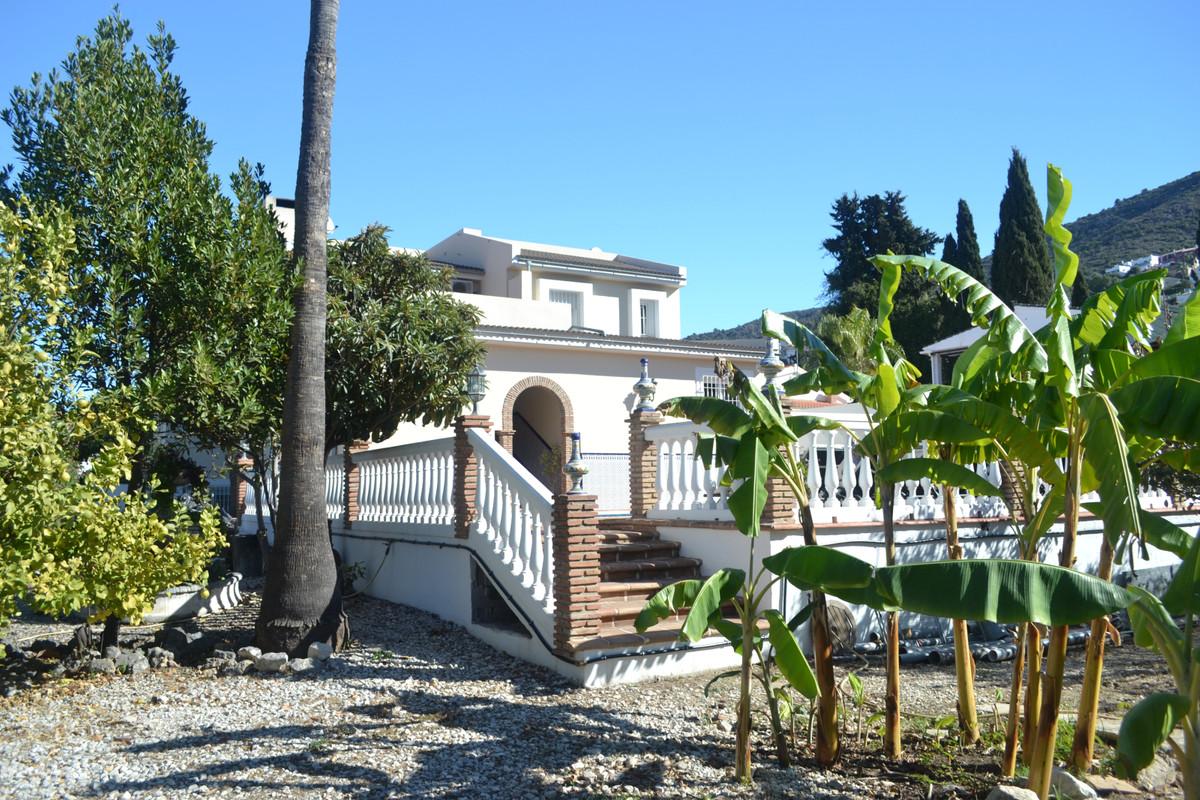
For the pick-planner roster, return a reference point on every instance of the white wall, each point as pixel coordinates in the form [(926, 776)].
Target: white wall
[(517, 313), (599, 385)]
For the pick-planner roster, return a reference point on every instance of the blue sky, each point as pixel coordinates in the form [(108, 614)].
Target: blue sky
[(713, 135)]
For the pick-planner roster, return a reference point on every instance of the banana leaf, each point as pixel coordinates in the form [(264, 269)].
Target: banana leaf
[(940, 472), (1146, 726), (1161, 407), (789, 658)]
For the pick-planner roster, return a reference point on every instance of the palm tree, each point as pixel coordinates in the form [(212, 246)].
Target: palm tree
[(302, 599)]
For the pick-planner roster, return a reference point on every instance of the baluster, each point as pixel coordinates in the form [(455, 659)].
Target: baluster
[(538, 554), (547, 542), (848, 472), (864, 483), (514, 531), (831, 476), (366, 491), (443, 490), (527, 548), (664, 496), (694, 469), (670, 493), (814, 473), (710, 487), (927, 500), (504, 520)]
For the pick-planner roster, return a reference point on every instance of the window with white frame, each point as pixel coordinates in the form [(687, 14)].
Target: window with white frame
[(648, 312), (711, 385), (572, 299)]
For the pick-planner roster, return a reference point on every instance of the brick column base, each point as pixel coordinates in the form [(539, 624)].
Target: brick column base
[(238, 487), (466, 472), (576, 570), (781, 503), (643, 463), (351, 475), (505, 438)]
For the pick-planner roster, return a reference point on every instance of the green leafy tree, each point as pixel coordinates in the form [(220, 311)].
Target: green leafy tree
[(110, 140), (875, 225), (1021, 268), (302, 600), (850, 335), (969, 260), (69, 540), (950, 249), (398, 347)]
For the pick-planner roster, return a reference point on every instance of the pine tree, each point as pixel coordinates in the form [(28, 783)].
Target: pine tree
[(969, 260), (1021, 268), (873, 225), (950, 250)]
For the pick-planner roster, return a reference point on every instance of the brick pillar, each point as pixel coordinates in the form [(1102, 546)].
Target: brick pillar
[(351, 477), (238, 487), (576, 570), (781, 503), (643, 463), (505, 438), (466, 471)]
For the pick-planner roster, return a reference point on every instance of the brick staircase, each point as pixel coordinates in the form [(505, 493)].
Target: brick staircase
[(635, 562)]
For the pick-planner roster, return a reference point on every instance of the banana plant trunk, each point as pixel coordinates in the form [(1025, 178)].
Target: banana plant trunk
[(1047, 727), (1033, 690), (1008, 765), (1089, 698), (964, 664), (743, 767), (828, 745), (891, 732)]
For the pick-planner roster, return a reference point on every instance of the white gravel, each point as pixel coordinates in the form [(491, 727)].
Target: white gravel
[(415, 708)]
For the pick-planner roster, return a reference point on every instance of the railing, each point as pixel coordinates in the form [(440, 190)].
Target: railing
[(513, 528), (335, 490), (409, 485), (840, 482)]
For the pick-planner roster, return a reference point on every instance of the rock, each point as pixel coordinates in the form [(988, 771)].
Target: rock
[(1110, 785), (1012, 793), (158, 652), (234, 668), (319, 651), (132, 662), (271, 662), (1068, 787), (179, 640), (725, 726), (214, 663), (104, 665), (1160, 773), (112, 652), (224, 655), (301, 665), (248, 653), (950, 791)]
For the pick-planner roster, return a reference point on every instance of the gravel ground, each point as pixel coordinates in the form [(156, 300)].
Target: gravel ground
[(417, 708)]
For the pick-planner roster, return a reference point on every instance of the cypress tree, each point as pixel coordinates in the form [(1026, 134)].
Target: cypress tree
[(969, 260), (1079, 292), (950, 250), (1021, 268)]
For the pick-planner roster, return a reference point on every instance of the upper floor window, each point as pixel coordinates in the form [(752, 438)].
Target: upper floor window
[(574, 300), (648, 312), (712, 386), (464, 286)]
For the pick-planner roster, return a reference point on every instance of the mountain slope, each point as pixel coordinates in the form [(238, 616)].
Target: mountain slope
[(1152, 221), (753, 328)]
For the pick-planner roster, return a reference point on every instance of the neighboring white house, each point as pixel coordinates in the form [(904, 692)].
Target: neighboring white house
[(944, 352)]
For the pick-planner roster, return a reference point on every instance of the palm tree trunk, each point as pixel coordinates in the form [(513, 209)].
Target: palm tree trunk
[(828, 746), (302, 601), (1089, 697), (968, 719), (891, 731)]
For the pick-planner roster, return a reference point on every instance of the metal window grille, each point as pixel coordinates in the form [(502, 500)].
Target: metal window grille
[(574, 300), (608, 479)]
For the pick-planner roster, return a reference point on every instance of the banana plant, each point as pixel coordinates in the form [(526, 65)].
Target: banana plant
[(1156, 718), (752, 441)]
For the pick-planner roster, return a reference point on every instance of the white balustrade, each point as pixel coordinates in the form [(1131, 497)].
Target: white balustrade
[(513, 528), (686, 488), (335, 490), (409, 485)]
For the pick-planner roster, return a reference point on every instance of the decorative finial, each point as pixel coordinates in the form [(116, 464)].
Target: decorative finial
[(575, 468), (645, 388), (771, 364)]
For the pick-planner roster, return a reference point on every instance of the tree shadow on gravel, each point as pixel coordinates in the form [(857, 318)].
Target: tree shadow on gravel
[(496, 748)]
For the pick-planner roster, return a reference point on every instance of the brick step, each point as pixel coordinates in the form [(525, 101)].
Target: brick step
[(623, 536), (650, 569), (630, 590), (627, 524), (650, 549), (623, 612)]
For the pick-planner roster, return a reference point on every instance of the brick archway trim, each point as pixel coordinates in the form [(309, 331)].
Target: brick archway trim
[(510, 402)]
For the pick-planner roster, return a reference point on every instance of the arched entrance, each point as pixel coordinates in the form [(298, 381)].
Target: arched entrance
[(538, 414)]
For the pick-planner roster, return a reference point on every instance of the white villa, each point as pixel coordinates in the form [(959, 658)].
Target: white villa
[(476, 525)]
